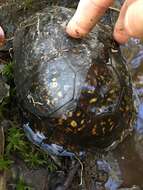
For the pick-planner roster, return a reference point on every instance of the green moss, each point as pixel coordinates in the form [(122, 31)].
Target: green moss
[(21, 185), (7, 71), (5, 163), (17, 143), (34, 159)]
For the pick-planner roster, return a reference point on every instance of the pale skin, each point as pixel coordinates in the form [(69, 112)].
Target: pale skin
[(88, 13), (2, 36)]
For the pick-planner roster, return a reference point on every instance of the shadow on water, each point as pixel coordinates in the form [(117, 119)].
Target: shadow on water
[(125, 165)]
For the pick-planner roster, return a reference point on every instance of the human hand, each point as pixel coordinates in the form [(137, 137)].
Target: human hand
[(88, 13), (2, 37)]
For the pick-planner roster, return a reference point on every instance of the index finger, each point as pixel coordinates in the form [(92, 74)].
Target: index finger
[(86, 16)]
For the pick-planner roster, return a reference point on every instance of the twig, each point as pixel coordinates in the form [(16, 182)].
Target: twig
[(81, 173), (114, 9)]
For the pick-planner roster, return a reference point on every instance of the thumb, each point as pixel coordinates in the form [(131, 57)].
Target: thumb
[(2, 37), (133, 22)]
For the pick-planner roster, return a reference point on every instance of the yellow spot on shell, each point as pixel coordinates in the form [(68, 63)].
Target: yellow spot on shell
[(80, 129), (112, 91), (94, 131), (127, 108), (109, 99), (69, 114), (78, 114), (103, 123), (74, 123), (90, 92), (82, 121), (93, 100)]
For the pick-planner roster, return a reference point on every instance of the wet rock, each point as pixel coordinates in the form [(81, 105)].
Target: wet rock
[(35, 178)]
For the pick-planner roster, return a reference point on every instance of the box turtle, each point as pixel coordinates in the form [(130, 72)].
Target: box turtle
[(76, 94)]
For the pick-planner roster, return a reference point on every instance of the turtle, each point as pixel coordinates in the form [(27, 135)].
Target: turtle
[(76, 94)]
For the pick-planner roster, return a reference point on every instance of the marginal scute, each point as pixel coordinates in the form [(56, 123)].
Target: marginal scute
[(78, 93)]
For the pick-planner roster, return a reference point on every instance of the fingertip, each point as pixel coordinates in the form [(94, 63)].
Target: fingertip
[(120, 35), (2, 36), (134, 19), (74, 30)]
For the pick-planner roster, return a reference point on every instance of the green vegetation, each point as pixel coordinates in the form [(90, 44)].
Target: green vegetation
[(28, 4), (17, 146), (34, 159), (21, 185), (7, 71), (15, 141), (5, 163)]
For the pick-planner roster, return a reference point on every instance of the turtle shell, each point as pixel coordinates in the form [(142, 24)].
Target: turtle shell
[(76, 93)]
